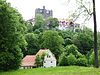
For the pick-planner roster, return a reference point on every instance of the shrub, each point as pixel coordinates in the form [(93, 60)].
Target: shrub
[(91, 60), (72, 49), (82, 61), (62, 60), (71, 59), (39, 60), (9, 60)]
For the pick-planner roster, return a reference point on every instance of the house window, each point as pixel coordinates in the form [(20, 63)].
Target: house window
[(48, 56), (44, 61)]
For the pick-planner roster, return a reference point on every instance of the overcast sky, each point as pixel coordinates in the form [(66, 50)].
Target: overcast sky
[(59, 7)]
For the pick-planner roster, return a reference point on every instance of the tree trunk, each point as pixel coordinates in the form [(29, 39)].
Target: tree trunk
[(96, 64)]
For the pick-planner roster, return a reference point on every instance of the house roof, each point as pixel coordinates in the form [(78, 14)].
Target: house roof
[(41, 51), (28, 60)]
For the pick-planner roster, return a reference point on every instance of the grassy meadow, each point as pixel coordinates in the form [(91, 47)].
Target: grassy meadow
[(68, 70)]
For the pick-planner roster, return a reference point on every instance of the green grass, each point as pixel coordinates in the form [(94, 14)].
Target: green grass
[(68, 70)]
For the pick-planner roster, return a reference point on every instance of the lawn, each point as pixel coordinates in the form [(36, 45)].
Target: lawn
[(68, 70)]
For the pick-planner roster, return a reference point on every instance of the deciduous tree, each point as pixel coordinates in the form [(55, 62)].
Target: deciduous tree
[(52, 41), (11, 37)]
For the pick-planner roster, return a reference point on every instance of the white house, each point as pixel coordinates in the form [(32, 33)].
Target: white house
[(29, 60), (49, 58)]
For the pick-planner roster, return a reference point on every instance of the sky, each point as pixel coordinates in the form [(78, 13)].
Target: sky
[(61, 8)]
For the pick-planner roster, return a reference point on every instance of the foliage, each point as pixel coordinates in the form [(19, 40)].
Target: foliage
[(63, 60), (33, 44), (68, 41), (82, 61), (52, 23), (10, 60), (82, 11), (51, 40), (91, 60), (98, 39), (67, 36), (12, 29), (71, 59), (72, 49), (39, 22), (84, 42), (29, 27), (39, 60)]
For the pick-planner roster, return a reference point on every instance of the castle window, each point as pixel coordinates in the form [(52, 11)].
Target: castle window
[(41, 11), (47, 11)]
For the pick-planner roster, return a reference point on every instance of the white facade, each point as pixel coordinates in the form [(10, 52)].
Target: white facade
[(49, 59), (65, 24)]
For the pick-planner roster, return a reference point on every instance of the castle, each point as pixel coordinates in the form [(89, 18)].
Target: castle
[(46, 13)]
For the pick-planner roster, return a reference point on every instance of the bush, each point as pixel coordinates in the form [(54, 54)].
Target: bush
[(12, 30), (91, 60), (82, 61), (10, 60), (62, 60), (71, 59), (39, 60), (72, 49)]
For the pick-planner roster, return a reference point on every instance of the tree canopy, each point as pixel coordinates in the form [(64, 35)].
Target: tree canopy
[(52, 41), (11, 37)]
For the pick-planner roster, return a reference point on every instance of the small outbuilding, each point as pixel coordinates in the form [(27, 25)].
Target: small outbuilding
[(28, 62)]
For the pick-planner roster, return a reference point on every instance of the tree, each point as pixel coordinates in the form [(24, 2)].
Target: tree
[(67, 36), (62, 60), (11, 37), (98, 40), (71, 59), (52, 23), (33, 44), (87, 13), (83, 41), (82, 61), (29, 27), (82, 11), (39, 22), (52, 41), (91, 59), (72, 49), (96, 64), (39, 60)]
